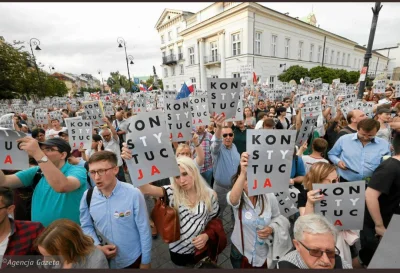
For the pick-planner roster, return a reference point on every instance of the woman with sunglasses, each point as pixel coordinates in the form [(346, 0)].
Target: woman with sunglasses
[(325, 173)]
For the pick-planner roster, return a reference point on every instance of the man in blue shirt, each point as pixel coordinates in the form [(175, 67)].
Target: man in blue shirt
[(61, 186), (226, 159), (358, 155), (118, 212)]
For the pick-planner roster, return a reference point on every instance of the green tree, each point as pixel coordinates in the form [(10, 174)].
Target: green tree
[(116, 81), (295, 72), (150, 81)]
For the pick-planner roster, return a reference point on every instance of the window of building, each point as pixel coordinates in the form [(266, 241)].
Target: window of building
[(182, 69), (169, 35), (177, 31), (171, 51), (162, 39), (191, 55), (338, 58), (163, 54), (359, 63), (214, 77), (167, 87), (236, 44), (344, 58), (326, 56), (165, 72), (332, 55), (355, 62), (319, 53), (311, 52), (174, 87), (193, 80), (348, 59), (300, 52), (271, 81), (257, 43), (274, 40), (173, 71), (236, 75), (214, 51), (287, 48)]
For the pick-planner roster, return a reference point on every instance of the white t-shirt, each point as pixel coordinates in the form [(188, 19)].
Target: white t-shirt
[(309, 161), (289, 114), (259, 124), (53, 133), (4, 244), (113, 146)]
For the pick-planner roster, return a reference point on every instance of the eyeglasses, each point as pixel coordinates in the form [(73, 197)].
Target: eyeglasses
[(225, 135), (318, 253), (49, 149), (100, 172)]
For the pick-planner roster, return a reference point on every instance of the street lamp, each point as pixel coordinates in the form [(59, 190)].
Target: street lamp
[(284, 66), (102, 80), (35, 42), (51, 68), (122, 43)]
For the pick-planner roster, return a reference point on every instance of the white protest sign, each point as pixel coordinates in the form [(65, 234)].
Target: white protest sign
[(270, 160), (246, 72), (79, 133), (56, 115), (94, 112), (286, 205), (199, 109), (239, 110), (397, 90), (223, 96), (11, 157), (152, 155), (343, 204), (380, 87), (41, 116), (179, 119), (306, 129), (7, 122), (366, 107), (312, 98), (108, 108)]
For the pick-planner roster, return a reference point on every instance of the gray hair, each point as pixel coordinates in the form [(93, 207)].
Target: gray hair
[(103, 130), (313, 224)]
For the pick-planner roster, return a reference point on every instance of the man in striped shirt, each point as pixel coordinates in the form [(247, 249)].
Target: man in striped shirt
[(205, 141)]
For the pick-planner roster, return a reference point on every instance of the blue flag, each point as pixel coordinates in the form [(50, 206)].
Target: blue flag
[(184, 93)]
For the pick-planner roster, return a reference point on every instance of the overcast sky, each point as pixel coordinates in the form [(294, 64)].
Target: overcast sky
[(82, 37)]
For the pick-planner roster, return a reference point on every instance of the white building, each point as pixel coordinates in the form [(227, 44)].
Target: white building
[(218, 40), (393, 62)]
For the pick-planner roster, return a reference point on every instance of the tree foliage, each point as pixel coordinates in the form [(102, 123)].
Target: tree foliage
[(116, 81), (295, 72), (19, 77)]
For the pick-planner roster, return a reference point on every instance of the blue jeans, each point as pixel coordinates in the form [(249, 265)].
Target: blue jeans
[(207, 175)]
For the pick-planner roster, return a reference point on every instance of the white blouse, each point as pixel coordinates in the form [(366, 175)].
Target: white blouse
[(254, 252)]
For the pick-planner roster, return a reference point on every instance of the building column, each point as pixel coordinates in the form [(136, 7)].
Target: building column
[(203, 78), (221, 51)]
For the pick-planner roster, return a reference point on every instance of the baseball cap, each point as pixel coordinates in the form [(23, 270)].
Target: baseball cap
[(63, 132), (60, 143)]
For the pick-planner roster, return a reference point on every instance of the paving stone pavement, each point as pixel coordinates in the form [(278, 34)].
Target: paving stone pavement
[(160, 257)]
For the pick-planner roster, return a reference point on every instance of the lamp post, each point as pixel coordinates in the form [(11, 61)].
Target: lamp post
[(51, 68), (122, 43), (36, 43), (102, 80)]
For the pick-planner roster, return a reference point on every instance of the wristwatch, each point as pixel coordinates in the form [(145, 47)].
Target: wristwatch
[(43, 160)]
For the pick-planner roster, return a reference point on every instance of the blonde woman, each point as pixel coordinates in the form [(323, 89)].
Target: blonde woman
[(325, 173), (196, 203)]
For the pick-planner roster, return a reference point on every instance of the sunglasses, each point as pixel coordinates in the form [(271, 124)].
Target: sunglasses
[(318, 253), (225, 135)]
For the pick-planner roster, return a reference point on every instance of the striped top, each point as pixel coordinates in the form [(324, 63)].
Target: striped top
[(192, 221)]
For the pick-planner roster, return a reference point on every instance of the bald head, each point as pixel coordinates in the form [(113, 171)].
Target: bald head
[(355, 116), (24, 116), (119, 116)]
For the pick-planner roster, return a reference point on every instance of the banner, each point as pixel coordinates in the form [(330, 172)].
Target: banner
[(366, 107), (79, 133), (199, 109), (270, 160), (343, 204), (152, 155), (41, 116), (223, 96), (179, 119), (306, 129), (7, 122), (11, 157), (56, 115), (94, 112), (380, 87), (108, 108)]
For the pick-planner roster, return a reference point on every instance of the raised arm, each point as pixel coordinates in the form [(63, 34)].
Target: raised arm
[(237, 189)]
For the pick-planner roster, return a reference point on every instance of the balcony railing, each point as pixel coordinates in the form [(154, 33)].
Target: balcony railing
[(169, 60), (215, 58)]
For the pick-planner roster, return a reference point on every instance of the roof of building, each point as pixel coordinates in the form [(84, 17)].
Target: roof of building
[(165, 12)]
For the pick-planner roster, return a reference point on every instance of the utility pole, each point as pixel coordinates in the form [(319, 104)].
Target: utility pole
[(368, 54)]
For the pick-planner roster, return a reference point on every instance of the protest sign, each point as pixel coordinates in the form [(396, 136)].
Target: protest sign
[(79, 133), (82, 115), (56, 115), (380, 87), (108, 108), (311, 111), (94, 112), (387, 254), (7, 122), (239, 110), (223, 96), (270, 160), (366, 107), (41, 116), (179, 119), (199, 109), (11, 157), (246, 72), (286, 205), (397, 90), (312, 98), (343, 204), (306, 129), (152, 155)]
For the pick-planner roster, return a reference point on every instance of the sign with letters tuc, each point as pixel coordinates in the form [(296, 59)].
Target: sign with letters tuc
[(223, 96), (11, 157), (41, 116), (79, 133), (94, 112), (306, 129), (152, 155), (179, 119), (287, 202), (270, 160), (199, 109), (343, 204)]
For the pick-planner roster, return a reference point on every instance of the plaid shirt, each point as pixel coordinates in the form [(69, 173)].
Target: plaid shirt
[(206, 144), (23, 235)]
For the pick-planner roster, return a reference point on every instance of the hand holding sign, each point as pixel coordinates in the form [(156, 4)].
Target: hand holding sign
[(31, 146), (219, 121), (244, 162), (314, 196)]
